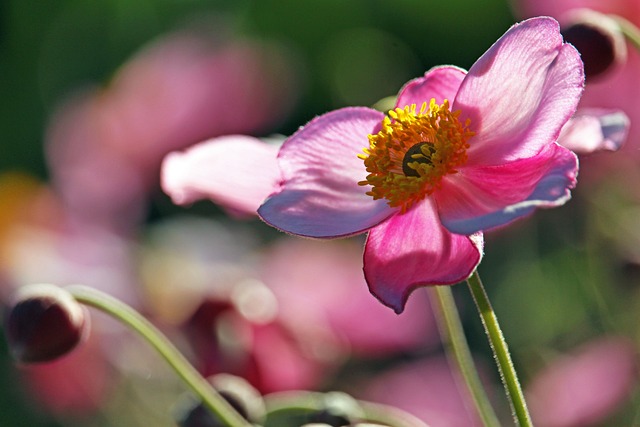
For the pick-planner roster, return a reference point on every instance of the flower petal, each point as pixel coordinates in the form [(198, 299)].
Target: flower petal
[(520, 93), (319, 195), (439, 82), (413, 249), (592, 130), (485, 197), (224, 170)]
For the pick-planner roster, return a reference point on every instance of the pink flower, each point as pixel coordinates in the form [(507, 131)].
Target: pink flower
[(178, 90), (283, 316), (586, 387), (461, 153), (320, 285), (74, 386)]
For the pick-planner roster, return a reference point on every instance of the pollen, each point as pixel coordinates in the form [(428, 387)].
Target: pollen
[(413, 150)]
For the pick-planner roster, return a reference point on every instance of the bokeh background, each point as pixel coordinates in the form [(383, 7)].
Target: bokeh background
[(94, 94)]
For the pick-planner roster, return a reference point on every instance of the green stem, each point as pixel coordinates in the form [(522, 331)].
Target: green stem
[(630, 31), (288, 402), (456, 345), (500, 352), (127, 315)]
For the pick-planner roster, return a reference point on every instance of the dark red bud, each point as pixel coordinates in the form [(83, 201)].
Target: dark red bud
[(598, 39), (44, 323)]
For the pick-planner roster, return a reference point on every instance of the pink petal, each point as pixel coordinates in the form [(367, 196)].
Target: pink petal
[(520, 93), (237, 172), (592, 130), (587, 387), (440, 83), (485, 197), (413, 249), (319, 195)]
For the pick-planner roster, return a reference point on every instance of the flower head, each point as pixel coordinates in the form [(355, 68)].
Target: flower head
[(461, 153)]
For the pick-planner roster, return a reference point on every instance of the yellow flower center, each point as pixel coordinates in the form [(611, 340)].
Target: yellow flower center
[(407, 159)]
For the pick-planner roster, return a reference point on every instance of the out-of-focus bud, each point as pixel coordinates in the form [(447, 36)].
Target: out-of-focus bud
[(598, 39), (326, 418), (241, 395), (354, 425), (44, 322), (339, 410)]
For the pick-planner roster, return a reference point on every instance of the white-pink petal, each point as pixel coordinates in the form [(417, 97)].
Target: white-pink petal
[(237, 172), (439, 83), (480, 198), (319, 195), (592, 130), (520, 93), (413, 249)]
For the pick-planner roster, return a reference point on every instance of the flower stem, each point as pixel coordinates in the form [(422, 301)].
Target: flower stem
[(456, 345), (500, 352), (127, 315), (287, 402), (630, 31)]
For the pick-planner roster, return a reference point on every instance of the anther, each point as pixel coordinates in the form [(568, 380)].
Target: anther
[(420, 153)]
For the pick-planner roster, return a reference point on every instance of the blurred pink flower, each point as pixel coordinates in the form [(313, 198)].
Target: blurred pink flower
[(223, 338), (585, 387), (320, 284), (104, 146), (283, 316), (614, 90), (435, 177), (39, 243), (75, 385), (428, 389)]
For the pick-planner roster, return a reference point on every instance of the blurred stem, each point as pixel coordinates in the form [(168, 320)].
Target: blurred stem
[(308, 401), (500, 352), (630, 31), (457, 348), (131, 318)]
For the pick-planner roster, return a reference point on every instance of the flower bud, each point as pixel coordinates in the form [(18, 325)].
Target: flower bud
[(44, 323), (598, 39), (339, 410), (241, 395), (347, 425), (327, 418)]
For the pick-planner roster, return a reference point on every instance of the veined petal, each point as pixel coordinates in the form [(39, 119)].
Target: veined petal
[(319, 195), (481, 198), (439, 82), (238, 172), (413, 249), (520, 93), (592, 130)]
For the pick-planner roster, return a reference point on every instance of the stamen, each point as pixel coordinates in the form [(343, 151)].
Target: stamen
[(413, 150)]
